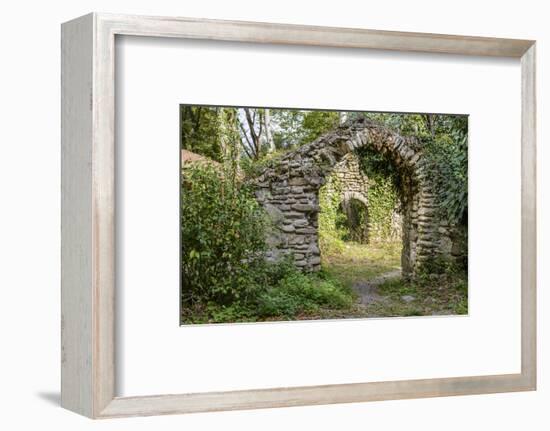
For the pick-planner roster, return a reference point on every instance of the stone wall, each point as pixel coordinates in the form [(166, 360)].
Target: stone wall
[(353, 184), (349, 183), (289, 190)]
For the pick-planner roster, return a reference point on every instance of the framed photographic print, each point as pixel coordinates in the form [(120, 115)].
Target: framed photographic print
[(265, 215), (294, 214)]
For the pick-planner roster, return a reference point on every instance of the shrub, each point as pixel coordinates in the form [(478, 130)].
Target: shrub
[(222, 236), (225, 277), (299, 293), (282, 292)]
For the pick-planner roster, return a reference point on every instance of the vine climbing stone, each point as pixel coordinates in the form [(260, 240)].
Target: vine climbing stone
[(351, 186)]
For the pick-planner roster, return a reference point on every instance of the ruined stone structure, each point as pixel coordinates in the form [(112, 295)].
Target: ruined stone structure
[(289, 190), (353, 185)]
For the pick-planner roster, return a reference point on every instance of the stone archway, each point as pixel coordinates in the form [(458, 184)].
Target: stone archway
[(352, 181), (350, 185), (355, 207), (347, 196), (289, 190)]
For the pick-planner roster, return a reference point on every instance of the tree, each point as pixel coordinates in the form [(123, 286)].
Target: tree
[(200, 131), (343, 117), (223, 231), (268, 134), (317, 123), (229, 137), (251, 127), (287, 128)]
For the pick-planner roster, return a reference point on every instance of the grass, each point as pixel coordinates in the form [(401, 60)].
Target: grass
[(425, 296), (359, 262), (445, 295)]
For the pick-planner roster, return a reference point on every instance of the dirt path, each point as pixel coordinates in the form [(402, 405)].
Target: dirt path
[(368, 290)]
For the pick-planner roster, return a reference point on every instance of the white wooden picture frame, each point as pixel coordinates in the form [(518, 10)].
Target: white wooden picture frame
[(88, 215)]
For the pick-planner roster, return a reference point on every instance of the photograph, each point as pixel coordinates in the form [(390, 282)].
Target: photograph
[(295, 214)]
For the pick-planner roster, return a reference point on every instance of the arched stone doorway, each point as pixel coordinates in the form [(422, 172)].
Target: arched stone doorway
[(289, 191), (355, 208), (349, 185)]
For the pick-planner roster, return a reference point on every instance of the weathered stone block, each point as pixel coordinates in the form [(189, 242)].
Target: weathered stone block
[(314, 249), (307, 230), (298, 181), (293, 215), (300, 223), (296, 240), (304, 207)]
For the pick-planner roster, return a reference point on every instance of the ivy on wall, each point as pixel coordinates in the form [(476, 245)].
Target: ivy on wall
[(449, 173), (383, 201), (331, 218), (444, 141), (334, 228), (383, 197)]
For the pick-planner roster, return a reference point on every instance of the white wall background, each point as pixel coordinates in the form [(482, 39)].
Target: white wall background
[(29, 216)]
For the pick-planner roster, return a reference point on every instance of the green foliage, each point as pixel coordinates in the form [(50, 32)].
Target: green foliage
[(444, 141), (225, 277), (377, 166), (359, 262), (235, 312), (438, 265), (316, 123), (334, 226), (355, 223), (252, 168), (297, 127), (290, 133), (432, 294), (214, 133), (449, 157), (299, 293), (443, 294), (199, 131), (210, 131), (331, 219), (283, 293), (222, 236), (383, 200), (460, 302), (383, 196)]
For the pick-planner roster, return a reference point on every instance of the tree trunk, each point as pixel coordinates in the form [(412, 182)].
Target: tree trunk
[(343, 117), (268, 135), (224, 139), (254, 136)]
